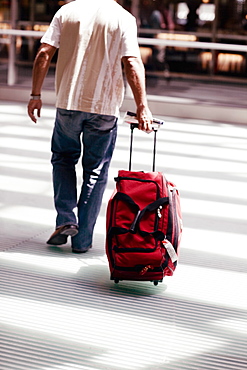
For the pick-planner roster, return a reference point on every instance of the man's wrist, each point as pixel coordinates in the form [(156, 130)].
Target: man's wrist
[(35, 96)]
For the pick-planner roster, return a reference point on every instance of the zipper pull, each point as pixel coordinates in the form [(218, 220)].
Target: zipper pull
[(159, 211), (145, 269)]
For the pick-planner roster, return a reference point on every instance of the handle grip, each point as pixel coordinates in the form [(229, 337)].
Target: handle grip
[(130, 117)]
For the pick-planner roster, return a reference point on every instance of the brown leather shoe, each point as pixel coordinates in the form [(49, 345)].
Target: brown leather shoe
[(61, 234)]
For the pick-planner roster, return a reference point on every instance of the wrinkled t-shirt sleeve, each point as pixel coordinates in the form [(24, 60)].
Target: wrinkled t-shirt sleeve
[(52, 35), (130, 47)]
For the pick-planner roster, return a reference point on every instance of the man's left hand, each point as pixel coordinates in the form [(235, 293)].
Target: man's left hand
[(32, 106)]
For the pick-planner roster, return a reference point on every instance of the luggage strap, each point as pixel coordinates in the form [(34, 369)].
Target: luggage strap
[(140, 213)]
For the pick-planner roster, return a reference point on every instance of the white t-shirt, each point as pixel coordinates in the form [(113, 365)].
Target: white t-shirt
[(92, 37)]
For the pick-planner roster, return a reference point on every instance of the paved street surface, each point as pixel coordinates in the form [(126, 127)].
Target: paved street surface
[(61, 311)]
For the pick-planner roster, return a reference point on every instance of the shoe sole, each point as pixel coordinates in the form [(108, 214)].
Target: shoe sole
[(58, 240), (69, 232)]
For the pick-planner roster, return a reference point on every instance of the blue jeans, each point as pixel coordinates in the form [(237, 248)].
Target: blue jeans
[(98, 138)]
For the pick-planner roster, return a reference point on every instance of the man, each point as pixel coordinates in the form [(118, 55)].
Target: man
[(93, 38)]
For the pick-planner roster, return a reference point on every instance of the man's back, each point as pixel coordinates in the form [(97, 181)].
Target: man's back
[(94, 36)]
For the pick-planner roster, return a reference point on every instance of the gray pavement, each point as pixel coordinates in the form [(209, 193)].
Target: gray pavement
[(61, 311), (205, 92)]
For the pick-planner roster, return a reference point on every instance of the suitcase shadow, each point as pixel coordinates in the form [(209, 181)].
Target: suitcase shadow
[(97, 277), (141, 288)]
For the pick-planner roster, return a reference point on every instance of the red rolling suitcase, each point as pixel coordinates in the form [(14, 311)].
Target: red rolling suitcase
[(143, 225)]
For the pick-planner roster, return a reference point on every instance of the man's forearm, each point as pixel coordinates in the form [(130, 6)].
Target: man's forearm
[(135, 74), (41, 66)]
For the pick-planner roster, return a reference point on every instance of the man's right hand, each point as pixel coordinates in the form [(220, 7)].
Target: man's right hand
[(145, 119)]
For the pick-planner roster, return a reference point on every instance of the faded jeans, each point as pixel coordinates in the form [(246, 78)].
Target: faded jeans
[(97, 134)]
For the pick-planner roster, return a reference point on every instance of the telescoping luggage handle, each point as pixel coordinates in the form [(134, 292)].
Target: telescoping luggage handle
[(130, 118)]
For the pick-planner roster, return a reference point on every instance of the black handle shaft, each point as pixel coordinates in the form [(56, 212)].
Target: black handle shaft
[(135, 125)]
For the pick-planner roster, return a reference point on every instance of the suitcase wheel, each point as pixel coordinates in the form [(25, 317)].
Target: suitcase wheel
[(116, 281), (156, 282)]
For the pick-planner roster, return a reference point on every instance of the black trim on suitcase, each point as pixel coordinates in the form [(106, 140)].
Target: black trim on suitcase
[(134, 250), (140, 213)]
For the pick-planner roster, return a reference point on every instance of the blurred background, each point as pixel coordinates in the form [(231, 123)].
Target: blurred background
[(221, 21), (194, 49)]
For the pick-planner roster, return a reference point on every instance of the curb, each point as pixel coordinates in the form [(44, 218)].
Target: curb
[(159, 105)]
